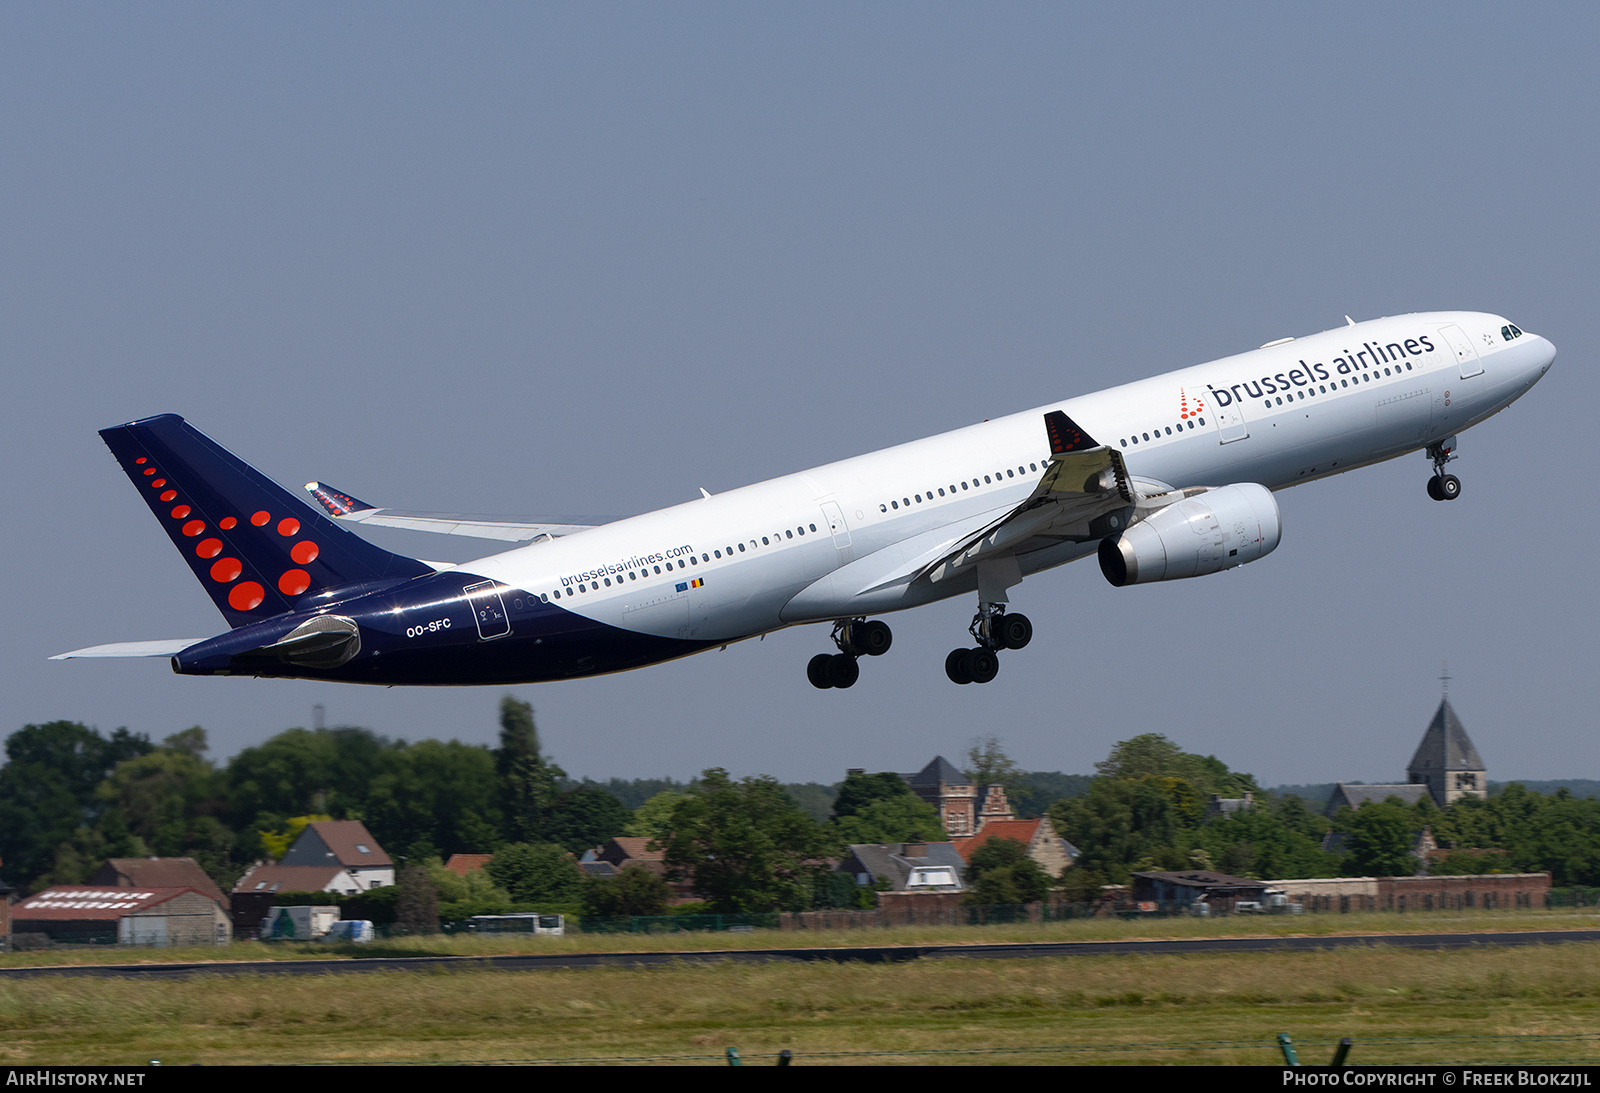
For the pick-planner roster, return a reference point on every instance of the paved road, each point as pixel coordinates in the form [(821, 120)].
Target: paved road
[(871, 954)]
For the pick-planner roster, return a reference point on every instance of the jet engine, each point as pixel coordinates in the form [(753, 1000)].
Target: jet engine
[(1208, 531)]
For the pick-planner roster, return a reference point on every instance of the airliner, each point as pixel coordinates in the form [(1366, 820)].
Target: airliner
[(1163, 478)]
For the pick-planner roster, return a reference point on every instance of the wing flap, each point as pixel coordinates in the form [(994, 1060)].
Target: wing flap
[(1083, 484)]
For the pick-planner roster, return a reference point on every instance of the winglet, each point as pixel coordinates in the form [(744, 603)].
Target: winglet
[(1065, 435), (336, 503)]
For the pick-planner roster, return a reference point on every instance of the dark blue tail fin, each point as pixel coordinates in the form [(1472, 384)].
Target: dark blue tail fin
[(258, 549)]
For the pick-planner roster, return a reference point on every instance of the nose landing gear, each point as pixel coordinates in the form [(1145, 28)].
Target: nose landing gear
[(855, 638), (1443, 487), (993, 630)]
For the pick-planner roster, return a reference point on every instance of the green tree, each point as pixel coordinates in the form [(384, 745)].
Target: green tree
[(635, 890), (1123, 823), (47, 791), (1380, 836), (1275, 839), (653, 818), (1153, 755), (881, 808), (536, 873), (527, 781), (586, 817), (988, 764), (435, 792), (417, 909), (746, 845), (462, 897), (1000, 872), (299, 771)]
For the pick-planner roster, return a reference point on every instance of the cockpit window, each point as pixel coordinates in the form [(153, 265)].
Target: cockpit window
[(1508, 332)]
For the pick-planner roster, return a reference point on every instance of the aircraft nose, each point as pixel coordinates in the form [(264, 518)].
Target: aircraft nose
[(1545, 358)]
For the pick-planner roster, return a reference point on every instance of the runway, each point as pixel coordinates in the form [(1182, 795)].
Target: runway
[(870, 954)]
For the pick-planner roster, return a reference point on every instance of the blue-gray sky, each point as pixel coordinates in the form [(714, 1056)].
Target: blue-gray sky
[(589, 258)]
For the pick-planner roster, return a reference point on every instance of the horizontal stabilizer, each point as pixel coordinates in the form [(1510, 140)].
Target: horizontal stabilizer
[(169, 648), (349, 510)]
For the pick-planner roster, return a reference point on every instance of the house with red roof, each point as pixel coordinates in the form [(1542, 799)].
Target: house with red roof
[(1051, 851)]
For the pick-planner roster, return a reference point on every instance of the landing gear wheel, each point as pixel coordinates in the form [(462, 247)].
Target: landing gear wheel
[(872, 638), (1013, 631), (843, 671), (817, 671), (1449, 488), (955, 666), (983, 665), (1433, 488)]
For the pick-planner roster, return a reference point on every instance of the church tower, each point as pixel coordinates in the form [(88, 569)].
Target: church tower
[(1446, 762)]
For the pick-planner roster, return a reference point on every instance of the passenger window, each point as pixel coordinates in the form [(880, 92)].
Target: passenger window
[(790, 534), (813, 527), (963, 484), (764, 538), (741, 548)]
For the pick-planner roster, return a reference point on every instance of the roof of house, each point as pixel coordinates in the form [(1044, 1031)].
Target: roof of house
[(937, 771), (157, 873), (1445, 746), (352, 844), (1023, 831), (75, 902), (462, 864), (892, 862), (1202, 879), (288, 878), (1357, 795), (630, 848)]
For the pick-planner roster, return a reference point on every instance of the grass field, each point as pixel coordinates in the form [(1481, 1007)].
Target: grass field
[(1483, 1005)]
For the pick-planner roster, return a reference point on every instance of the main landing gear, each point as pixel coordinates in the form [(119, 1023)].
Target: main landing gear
[(855, 638), (993, 630), (1443, 487)]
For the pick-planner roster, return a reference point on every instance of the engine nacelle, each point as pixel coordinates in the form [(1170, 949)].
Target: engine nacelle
[(1207, 533)]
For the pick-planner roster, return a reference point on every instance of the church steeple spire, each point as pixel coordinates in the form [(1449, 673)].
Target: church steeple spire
[(1446, 761)]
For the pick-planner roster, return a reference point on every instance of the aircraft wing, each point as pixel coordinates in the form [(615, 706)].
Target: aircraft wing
[(1081, 496), (350, 510), (167, 648)]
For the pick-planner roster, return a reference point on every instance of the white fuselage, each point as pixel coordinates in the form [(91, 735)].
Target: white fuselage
[(842, 540)]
